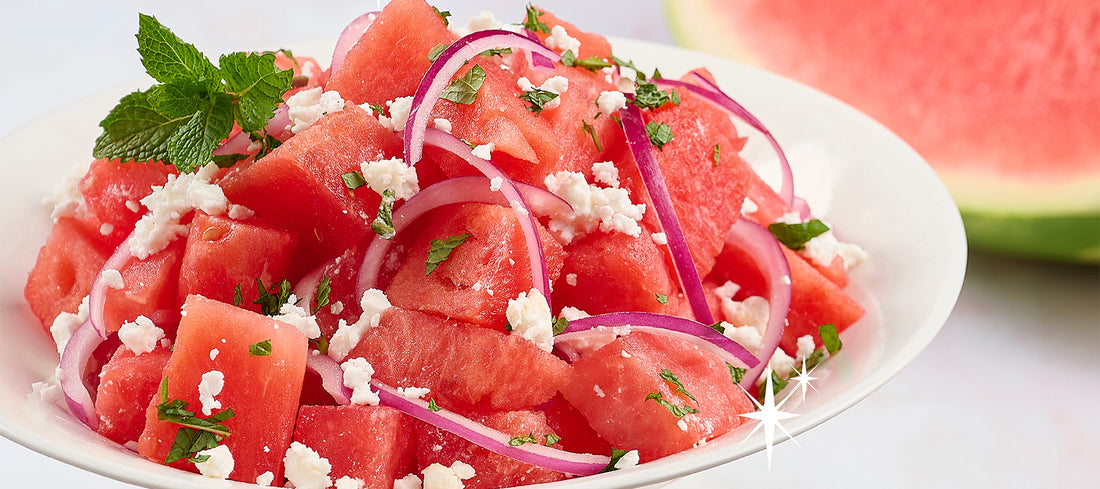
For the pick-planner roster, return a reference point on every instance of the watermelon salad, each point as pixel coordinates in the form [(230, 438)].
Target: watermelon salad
[(458, 256)]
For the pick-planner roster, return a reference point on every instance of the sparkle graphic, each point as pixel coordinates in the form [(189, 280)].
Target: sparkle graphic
[(803, 380), (769, 415)]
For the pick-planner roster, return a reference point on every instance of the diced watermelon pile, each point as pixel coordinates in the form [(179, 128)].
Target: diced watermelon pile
[(229, 379)]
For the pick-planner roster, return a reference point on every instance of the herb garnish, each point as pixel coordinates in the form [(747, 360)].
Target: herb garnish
[(383, 222), (516, 441), (436, 51), (591, 63), (717, 151), (182, 119), (718, 327), (237, 297), (324, 289), (464, 90), (559, 326), (353, 180), (678, 411), (616, 454), (271, 301), (443, 15), (659, 134), (538, 98), (647, 96), (432, 406), (795, 236), (532, 23), (551, 439), (440, 249), (662, 298), (261, 349), (195, 434), (736, 373), (591, 131), (671, 378)]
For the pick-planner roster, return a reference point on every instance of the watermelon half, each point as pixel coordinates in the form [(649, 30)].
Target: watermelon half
[(1002, 99)]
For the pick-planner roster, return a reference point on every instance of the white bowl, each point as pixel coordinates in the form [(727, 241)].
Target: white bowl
[(857, 175)]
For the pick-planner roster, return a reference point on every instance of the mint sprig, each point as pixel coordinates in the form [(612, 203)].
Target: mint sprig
[(181, 120)]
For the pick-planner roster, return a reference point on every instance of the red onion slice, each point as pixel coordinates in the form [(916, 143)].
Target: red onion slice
[(449, 62), (332, 376), (446, 141), (74, 360), (756, 241), (332, 379), (97, 297), (694, 331), (452, 191), (640, 146), (348, 37), (711, 93)]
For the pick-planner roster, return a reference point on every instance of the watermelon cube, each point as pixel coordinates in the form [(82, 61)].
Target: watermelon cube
[(463, 364), (476, 281), (64, 270), (149, 286), (375, 444), (127, 383), (223, 253), (262, 390), (492, 470), (613, 272), (112, 191), (623, 392)]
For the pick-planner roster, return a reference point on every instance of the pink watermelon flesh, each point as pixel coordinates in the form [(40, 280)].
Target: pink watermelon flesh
[(492, 470), (453, 359), (223, 253), (375, 444), (64, 270), (126, 384), (150, 286), (392, 55), (112, 190), (610, 388), (262, 390), (298, 186), (343, 274), (476, 281)]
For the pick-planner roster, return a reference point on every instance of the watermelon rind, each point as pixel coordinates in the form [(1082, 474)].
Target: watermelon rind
[(1053, 221)]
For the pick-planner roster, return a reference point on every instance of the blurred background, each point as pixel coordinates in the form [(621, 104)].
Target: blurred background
[(1003, 397)]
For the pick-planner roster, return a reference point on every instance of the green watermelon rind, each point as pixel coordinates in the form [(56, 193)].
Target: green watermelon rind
[(1047, 222)]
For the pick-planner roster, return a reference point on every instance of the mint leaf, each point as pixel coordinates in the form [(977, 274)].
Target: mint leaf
[(383, 222), (551, 439), (795, 236), (443, 15), (193, 144), (272, 301), (168, 59), (464, 90), (432, 406), (516, 441), (830, 338), (659, 134), (353, 180), (532, 23), (616, 454), (717, 152), (177, 99), (324, 289), (135, 131), (591, 131), (258, 86), (736, 373), (538, 98), (678, 411), (440, 249), (662, 298), (671, 378), (648, 96), (261, 349), (591, 63), (434, 54), (559, 326)]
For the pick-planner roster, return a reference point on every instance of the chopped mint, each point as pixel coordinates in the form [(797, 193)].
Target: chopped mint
[(195, 434), (795, 236), (717, 151), (432, 406), (647, 96), (440, 249), (496, 52), (671, 378), (659, 134), (261, 349), (320, 343), (591, 131), (271, 301), (353, 180), (237, 297), (616, 454), (662, 298), (718, 327), (443, 15), (383, 222), (516, 441), (464, 90), (532, 23), (551, 439), (538, 98), (324, 289), (591, 63), (830, 338), (559, 326), (436, 51), (678, 411), (737, 373)]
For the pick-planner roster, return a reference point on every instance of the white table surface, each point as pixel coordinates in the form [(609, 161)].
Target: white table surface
[(1006, 396)]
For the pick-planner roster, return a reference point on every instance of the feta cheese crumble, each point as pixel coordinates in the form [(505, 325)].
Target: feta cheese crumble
[(607, 209), (629, 459), (140, 336), (484, 151), (67, 201), (606, 172), (659, 238), (443, 125), (373, 303), (349, 482), (391, 174), (265, 479), (495, 183), (410, 481), (438, 476), (357, 374), (399, 114), (66, 323), (168, 203), (529, 315), (610, 102), (218, 465), (308, 106), (413, 392), (296, 316), (748, 206), (561, 41), (210, 386), (305, 468), (483, 22)]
